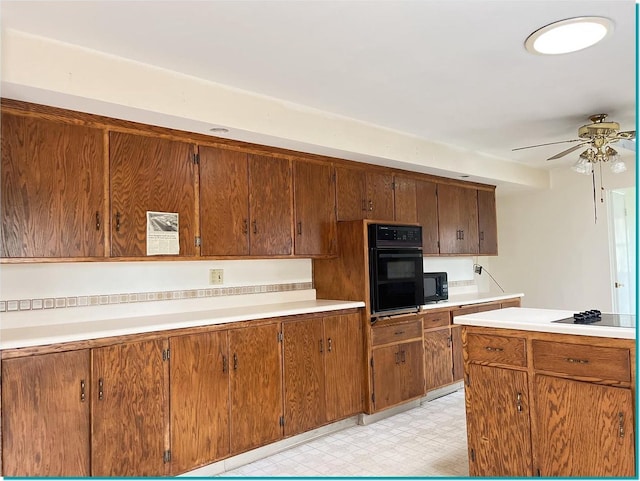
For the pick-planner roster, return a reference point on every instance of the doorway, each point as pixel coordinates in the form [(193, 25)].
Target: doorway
[(622, 244)]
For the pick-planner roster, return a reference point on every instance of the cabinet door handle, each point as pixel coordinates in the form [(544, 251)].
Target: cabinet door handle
[(398, 357), (621, 425), (370, 205), (519, 402), (235, 361), (224, 363), (321, 345), (481, 235), (462, 235), (398, 333), (299, 228), (494, 349), (449, 340), (100, 389), (97, 220), (577, 361), (245, 226), (329, 344), (255, 226), (117, 221), (82, 391)]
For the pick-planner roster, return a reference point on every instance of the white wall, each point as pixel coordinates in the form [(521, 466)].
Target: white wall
[(550, 246)]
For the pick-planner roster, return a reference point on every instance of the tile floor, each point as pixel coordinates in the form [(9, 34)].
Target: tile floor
[(429, 440)]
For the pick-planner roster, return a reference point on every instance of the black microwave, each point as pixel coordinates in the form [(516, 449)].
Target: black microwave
[(436, 287)]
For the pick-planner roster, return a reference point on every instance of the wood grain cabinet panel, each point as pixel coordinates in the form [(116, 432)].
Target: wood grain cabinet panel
[(487, 223), (304, 377), (405, 201), (489, 348), (45, 415), (351, 193), (438, 367), (256, 386), (129, 406), (52, 189), (585, 429), (315, 210), (270, 204), (498, 429), (457, 219), (427, 215), (150, 174), (457, 352), (398, 373), (199, 401), (380, 196), (224, 202)]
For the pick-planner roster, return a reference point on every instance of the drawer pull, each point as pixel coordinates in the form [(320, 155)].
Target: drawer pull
[(621, 425), (330, 344), (519, 402), (100, 389), (82, 391), (494, 349), (577, 361), (402, 357), (235, 361), (399, 333)]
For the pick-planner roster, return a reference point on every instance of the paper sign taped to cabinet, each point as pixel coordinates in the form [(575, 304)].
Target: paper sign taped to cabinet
[(163, 235)]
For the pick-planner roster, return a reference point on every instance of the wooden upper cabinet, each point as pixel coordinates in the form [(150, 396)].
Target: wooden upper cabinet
[(487, 224), (427, 215), (315, 213), (150, 174), (380, 196), (224, 202), (270, 205), (52, 189), (350, 193), (199, 373), (129, 406), (457, 219), (405, 200), (45, 415)]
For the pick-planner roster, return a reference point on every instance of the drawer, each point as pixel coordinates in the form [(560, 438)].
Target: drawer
[(396, 332), (473, 308), (436, 319), (510, 303), (511, 351), (610, 363)]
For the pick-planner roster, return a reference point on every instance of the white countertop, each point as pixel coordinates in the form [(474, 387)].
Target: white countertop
[(474, 298), (541, 320), (79, 331)]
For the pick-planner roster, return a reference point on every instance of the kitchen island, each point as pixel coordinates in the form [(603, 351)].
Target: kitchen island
[(548, 398)]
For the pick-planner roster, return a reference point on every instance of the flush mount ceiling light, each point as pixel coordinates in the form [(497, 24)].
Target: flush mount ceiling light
[(568, 35), (219, 130)]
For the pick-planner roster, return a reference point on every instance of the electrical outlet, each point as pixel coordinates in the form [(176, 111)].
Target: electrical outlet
[(216, 276), (477, 269)]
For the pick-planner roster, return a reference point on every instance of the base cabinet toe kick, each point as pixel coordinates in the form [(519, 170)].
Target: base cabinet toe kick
[(544, 404)]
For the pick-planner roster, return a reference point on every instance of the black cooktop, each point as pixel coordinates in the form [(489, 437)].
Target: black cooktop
[(596, 318)]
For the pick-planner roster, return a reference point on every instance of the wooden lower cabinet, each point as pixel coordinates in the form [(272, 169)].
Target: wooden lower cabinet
[(45, 415), (398, 373), (199, 399), (498, 428), (586, 429), (255, 386), (129, 407), (438, 367)]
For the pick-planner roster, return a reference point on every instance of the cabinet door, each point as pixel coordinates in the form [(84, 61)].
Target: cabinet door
[(427, 215), (129, 405), (487, 226), (304, 379), (314, 198), (398, 373), (584, 429), (412, 369), (52, 189), (256, 386), (457, 219), (498, 422), (270, 205), (380, 196), (199, 403), (351, 194), (344, 365), (150, 174), (456, 348), (438, 368), (45, 415), (404, 190), (224, 202)]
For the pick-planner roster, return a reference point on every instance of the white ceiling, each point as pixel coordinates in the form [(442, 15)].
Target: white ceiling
[(451, 71)]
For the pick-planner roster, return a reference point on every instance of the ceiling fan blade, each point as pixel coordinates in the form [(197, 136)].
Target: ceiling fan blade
[(550, 143), (626, 134), (568, 151), (628, 144)]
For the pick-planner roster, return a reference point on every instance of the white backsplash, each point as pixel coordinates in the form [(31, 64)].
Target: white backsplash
[(459, 271)]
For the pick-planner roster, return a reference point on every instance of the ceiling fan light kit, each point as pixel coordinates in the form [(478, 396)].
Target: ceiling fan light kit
[(570, 35)]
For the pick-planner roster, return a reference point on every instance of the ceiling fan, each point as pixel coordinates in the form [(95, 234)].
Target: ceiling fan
[(597, 136)]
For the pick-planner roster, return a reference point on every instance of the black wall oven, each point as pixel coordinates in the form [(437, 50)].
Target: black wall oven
[(395, 269)]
